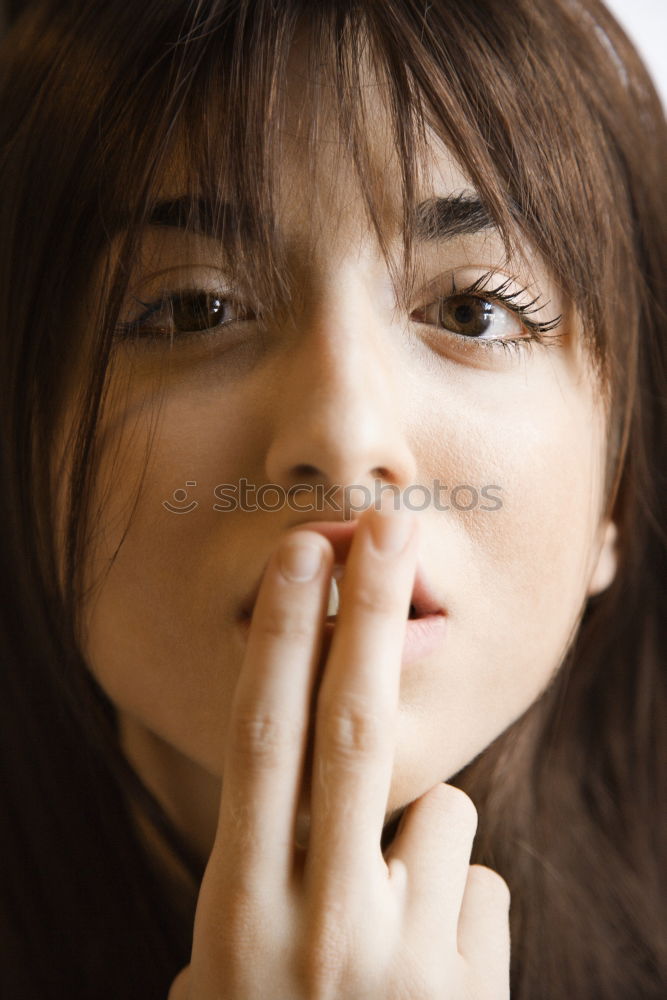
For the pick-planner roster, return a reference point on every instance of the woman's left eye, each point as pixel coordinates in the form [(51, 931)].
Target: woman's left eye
[(185, 314), (471, 316), (196, 311)]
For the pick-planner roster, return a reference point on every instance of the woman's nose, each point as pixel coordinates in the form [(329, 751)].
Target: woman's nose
[(339, 415)]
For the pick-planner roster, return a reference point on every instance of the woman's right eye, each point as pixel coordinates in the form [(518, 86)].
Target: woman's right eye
[(185, 314)]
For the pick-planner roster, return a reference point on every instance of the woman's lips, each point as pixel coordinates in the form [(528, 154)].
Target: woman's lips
[(423, 636), (424, 631), (340, 535)]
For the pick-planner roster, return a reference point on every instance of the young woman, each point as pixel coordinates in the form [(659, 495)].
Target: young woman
[(299, 292)]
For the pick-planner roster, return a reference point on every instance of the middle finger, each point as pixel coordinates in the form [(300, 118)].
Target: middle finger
[(358, 700)]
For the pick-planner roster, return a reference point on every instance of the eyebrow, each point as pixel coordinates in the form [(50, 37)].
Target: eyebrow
[(437, 219), (196, 215), (442, 219)]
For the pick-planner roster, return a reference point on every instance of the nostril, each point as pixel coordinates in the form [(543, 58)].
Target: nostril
[(306, 471)]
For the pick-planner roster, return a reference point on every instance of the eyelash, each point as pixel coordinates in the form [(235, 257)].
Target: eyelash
[(537, 331), (132, 331)]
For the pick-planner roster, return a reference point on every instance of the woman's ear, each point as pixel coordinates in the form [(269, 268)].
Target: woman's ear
[(605, 567)]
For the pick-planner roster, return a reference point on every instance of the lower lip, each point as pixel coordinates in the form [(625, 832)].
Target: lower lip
[(423, 636)]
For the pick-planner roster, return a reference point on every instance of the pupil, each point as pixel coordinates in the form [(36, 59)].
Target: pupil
[(463, 315), (197, 312), (468, 314)]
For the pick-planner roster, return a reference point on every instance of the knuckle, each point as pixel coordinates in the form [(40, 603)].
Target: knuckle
[(261, 738), (421, 981), (490, 883), (352, 729), (321, 968), (459, 808), (329, 952), (371, 598), (232, 944), (283, 623)]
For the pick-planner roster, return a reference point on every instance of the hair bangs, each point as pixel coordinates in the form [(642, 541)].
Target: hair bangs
[(510, 94)]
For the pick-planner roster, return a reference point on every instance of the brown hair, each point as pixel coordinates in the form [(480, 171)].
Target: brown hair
[(552, 116)]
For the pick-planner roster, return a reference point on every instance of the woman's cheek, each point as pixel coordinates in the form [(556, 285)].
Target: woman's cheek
[(515, 577)]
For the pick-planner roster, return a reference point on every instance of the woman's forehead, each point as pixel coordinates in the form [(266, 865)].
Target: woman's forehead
[(335, 181), (321, 213), (318, 184), (329, 134)]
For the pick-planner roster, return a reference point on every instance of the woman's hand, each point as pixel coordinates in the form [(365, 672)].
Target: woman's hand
[(338, 920)]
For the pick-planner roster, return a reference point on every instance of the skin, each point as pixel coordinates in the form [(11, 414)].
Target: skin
[(352, 384)]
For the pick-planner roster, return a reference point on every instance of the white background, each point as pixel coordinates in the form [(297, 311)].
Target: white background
[(645, 22)]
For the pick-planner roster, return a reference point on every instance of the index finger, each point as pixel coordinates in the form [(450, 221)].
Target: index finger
[(266, 741)]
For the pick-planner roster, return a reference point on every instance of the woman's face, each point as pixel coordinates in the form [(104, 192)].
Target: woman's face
[(355, 387)]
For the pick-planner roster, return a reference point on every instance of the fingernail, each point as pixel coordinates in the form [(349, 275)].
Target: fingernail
[(391, 530), (300, 561)]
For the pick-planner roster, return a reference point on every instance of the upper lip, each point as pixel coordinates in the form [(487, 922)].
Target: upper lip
[(340, 535)]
